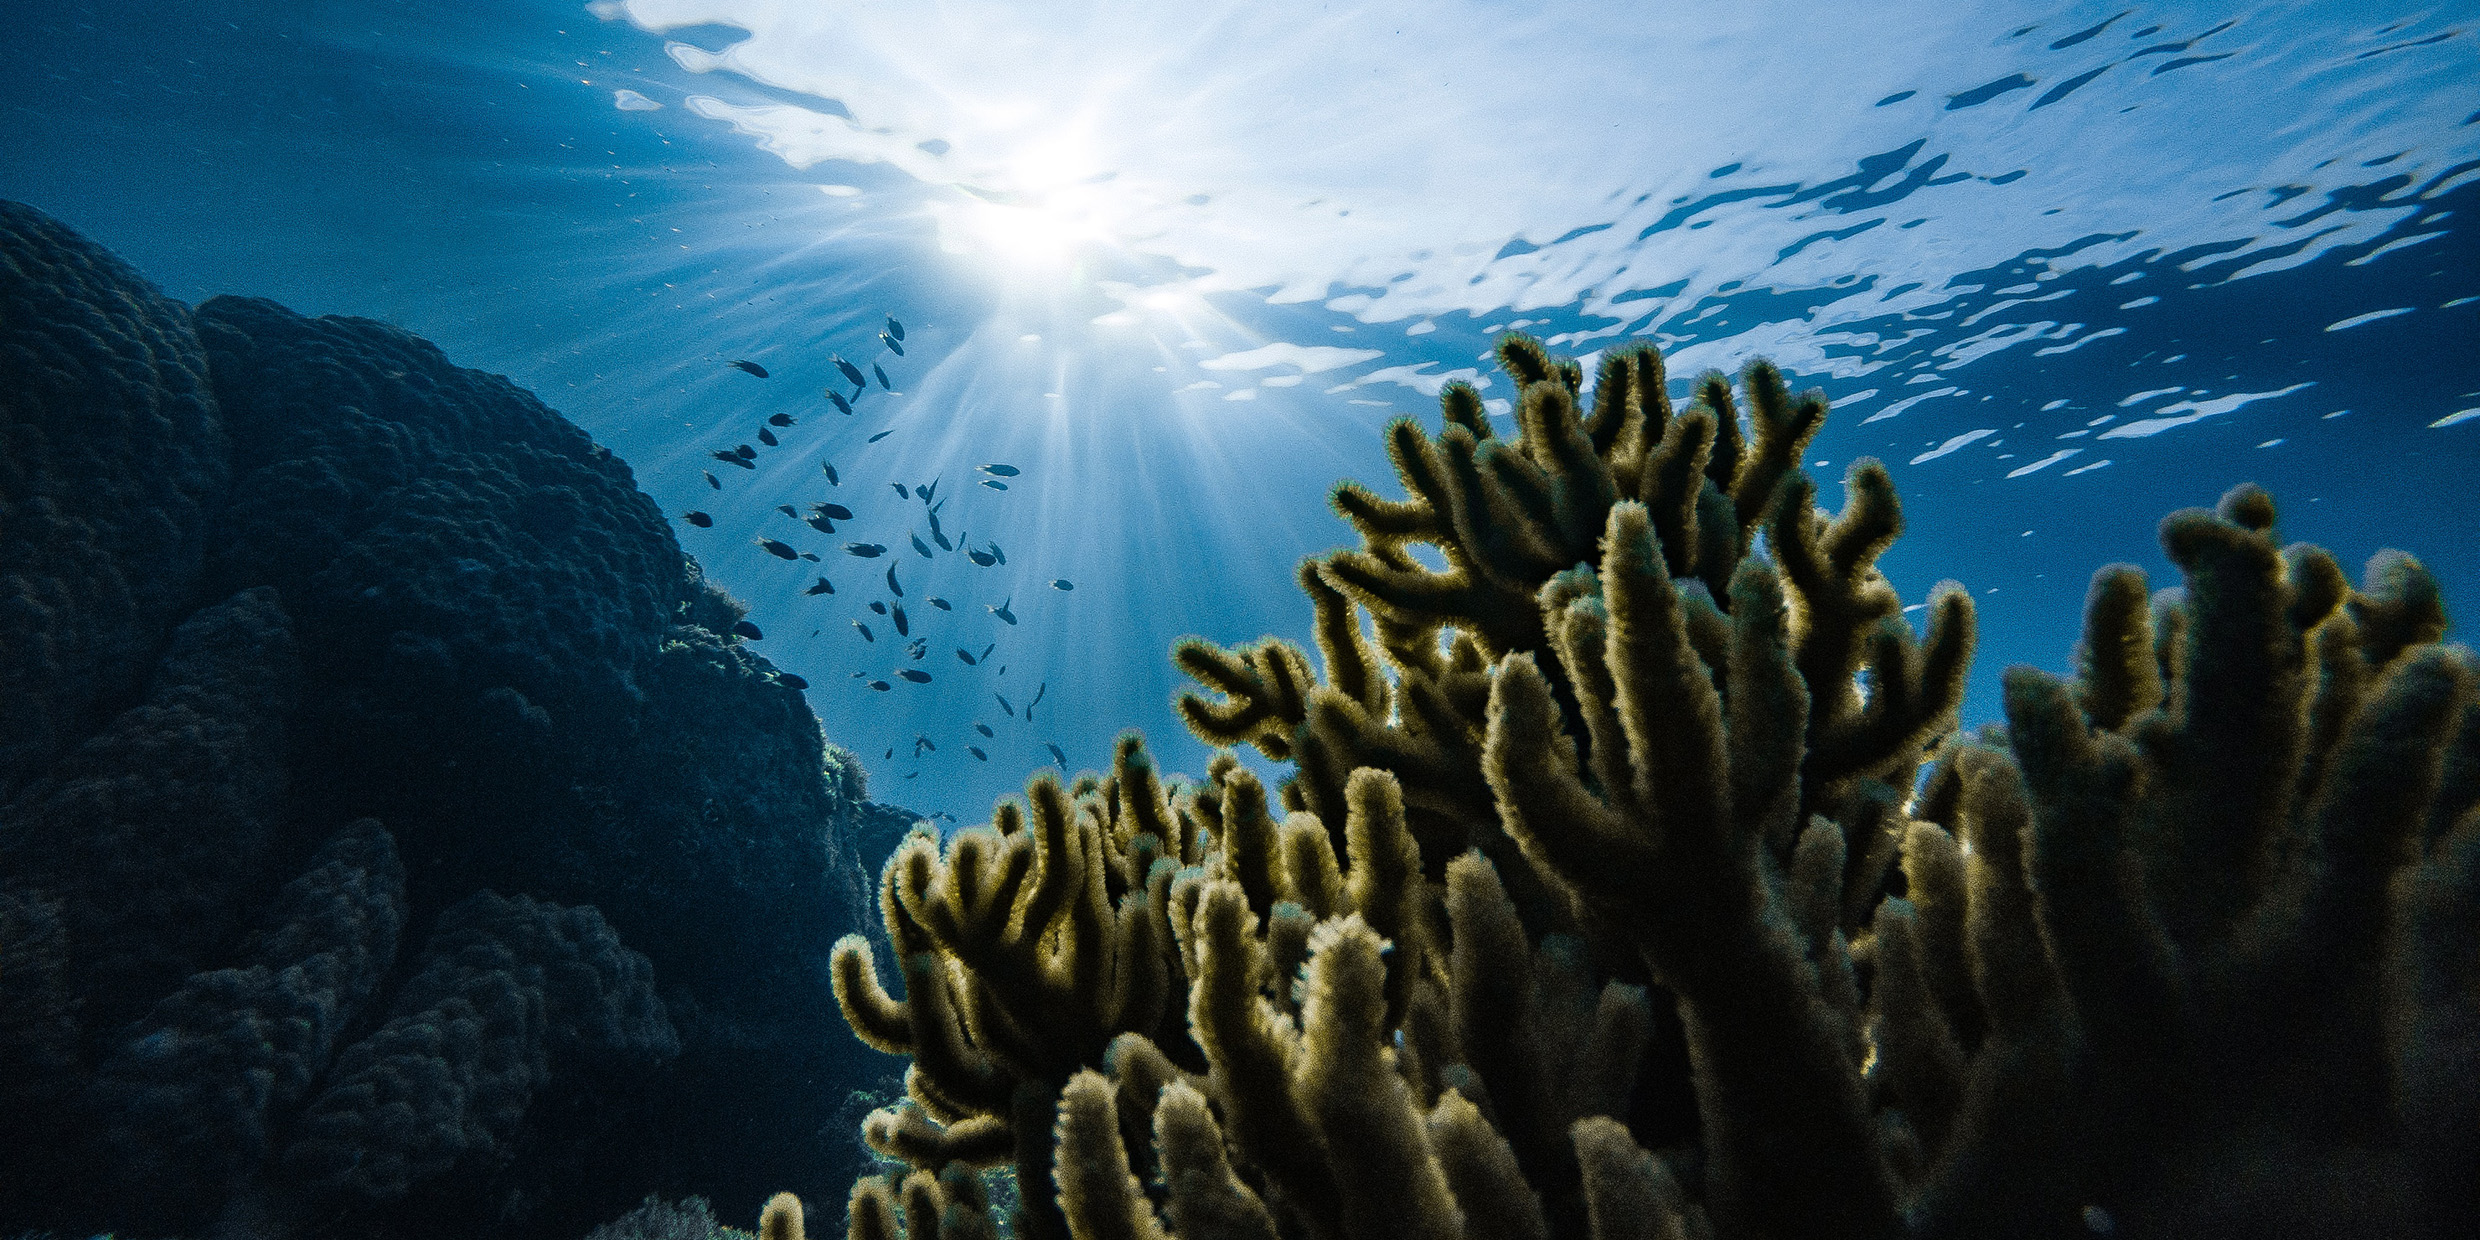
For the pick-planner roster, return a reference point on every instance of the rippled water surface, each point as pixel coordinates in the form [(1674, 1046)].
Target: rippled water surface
[(2063, 267)]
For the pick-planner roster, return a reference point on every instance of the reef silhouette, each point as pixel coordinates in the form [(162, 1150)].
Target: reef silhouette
[(395, 838), (1632, 879)]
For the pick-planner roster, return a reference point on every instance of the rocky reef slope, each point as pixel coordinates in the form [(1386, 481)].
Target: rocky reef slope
[(394, 840)]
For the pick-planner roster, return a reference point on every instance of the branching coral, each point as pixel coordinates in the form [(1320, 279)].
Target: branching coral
[(1613, 898)]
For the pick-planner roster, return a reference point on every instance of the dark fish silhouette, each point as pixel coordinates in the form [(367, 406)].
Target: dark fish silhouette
[(792, 680), (1002, 611), (751, 367), (1060, 758), (892, 586), (788, 510), (891, 750), (824, 586), (881, 435), (984, 729), (1003, 704), (1037, 694), (1004, 471), (881, 375), (965, 655), (1062, 583), (901, 493), (917, 647), (819, 522), (879, 607), (916, 675), (831, 510), (832, 480), (894, 328), (781, 419), (984, 656), (883, 686), (902, 629), (842, 405), (867, 551), (936, 535), (912, 774), (732, 458), (895, 344), (852, 373), (926, 492), (809, 557), (698, 519), (994, 550), (866, 634), (767, 437), (748, 630), (711, 479), (976, 751), (745, 452), (983, 558), (922, 547), (921, 742), (940, 603), (779, 550), (994, 484)]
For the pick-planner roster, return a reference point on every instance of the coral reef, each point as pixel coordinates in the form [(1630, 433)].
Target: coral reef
[(1631, 880), (375, 771)]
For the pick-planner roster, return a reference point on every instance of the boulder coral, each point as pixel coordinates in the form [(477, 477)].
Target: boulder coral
[(1631, 878), (383, 797)]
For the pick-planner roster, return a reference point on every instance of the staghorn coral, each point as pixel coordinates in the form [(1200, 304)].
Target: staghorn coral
[(1613, 898)]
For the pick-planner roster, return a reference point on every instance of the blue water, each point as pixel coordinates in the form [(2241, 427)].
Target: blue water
[(2064, 267)]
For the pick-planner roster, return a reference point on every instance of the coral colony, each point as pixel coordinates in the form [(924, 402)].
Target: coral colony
[(398, 839), (1633, 884)]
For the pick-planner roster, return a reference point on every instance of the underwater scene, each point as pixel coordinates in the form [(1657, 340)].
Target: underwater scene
[(664, 619)]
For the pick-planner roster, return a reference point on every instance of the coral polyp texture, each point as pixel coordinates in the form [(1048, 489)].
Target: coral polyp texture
[(1631, 878), (382, 797)]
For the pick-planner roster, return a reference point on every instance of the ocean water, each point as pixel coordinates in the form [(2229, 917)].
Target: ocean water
[(2064, 267)]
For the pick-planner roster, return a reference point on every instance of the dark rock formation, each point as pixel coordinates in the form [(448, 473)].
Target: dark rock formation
[(263, 576)]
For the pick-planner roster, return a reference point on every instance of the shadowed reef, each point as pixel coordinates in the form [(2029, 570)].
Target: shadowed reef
[(1631, 878), (394, 839)]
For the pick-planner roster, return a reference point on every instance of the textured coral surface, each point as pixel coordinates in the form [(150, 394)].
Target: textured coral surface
[(1631, 879), (394, 841)]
